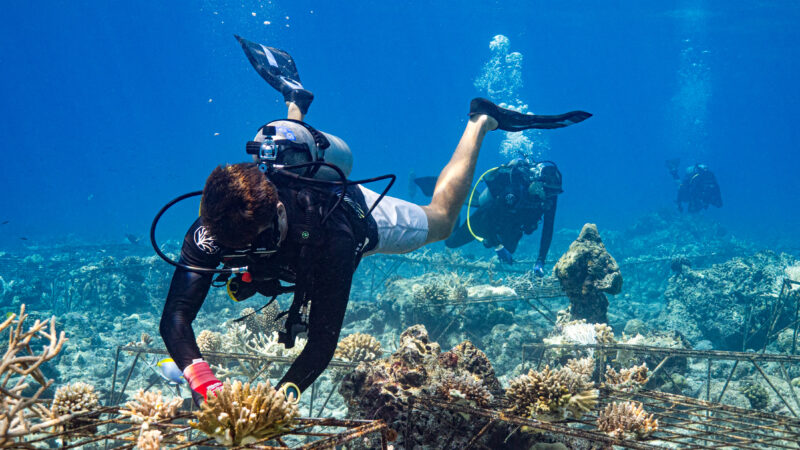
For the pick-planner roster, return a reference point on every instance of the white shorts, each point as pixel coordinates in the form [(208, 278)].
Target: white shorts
[(402, 225)]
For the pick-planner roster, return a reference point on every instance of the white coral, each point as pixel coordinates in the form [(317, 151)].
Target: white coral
[(74, 398)]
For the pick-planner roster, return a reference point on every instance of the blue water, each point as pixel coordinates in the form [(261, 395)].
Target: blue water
[(111, 108)]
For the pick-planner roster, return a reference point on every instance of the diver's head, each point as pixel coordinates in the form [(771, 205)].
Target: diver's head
[(550, 177), (238, 203)]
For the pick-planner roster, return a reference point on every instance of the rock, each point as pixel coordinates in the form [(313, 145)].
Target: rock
[(728, 301), (586, 271)]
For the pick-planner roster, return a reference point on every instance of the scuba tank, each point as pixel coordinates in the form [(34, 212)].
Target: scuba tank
[(292, 142)]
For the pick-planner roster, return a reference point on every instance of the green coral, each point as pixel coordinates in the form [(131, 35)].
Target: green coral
[(757, 395)]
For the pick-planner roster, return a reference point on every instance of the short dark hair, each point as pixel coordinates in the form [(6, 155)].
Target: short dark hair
[(238, 199)]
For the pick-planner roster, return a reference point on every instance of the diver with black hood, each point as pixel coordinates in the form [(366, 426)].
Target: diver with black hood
[(293, 216)]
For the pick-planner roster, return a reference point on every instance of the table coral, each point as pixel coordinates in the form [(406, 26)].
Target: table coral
[(240, 414)]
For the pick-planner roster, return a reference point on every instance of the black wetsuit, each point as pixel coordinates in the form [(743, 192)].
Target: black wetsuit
[(331, 259), (699, 189), (510, 212)]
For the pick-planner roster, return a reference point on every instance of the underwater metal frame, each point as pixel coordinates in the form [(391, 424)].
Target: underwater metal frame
[(683, 421), (115, 397), (179, 435)]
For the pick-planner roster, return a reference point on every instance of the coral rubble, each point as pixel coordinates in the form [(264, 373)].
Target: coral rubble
[(240, 414), (587, 271), (626, 420)]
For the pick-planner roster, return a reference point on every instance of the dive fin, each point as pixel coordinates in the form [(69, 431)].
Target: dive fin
[(278, 69), (426, 185), (510, 120)]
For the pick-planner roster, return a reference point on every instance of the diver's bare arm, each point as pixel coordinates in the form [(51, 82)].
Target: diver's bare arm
[(294, 112), (455, 179)]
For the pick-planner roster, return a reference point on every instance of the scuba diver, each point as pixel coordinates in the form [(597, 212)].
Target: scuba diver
[(698, 188), (292, 216), (516, 198)]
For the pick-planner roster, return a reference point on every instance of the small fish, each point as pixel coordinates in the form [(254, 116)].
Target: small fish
[(23, 238), (170, 371), (132, 238), (9, 314), (4, 222)]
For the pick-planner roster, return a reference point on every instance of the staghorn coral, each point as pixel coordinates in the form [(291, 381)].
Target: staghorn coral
[(150, 407), (626, 420), (20, 413), (149, 439), (358, 347), (628, 380), (209, 341), (551, 394), (240, 414), (465, 388), (74, 398)]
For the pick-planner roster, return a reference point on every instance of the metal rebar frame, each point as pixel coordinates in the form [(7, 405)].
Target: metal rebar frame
[(546, 289), (115, 397), (755, 359), (122, 433), (683, 422)]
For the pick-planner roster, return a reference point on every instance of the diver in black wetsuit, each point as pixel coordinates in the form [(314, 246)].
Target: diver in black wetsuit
[(278, 226), (516, 198), (698, 189)]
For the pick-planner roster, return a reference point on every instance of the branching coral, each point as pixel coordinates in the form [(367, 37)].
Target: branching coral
[(74, 398), (264, 321), (629, 380), (358, 347), (150, 407), (550, 395), (19, 413), (466, 388), (209, 341), (238, 339), (626, 420), (582, 366), (442, 288), (240, 414), (149, 439)]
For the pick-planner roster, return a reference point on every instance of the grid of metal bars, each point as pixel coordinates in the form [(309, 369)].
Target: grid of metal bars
[(684, 422), (120, 432)]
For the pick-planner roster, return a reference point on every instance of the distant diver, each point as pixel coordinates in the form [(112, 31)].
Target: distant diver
[(517, 196), (293, 216), (698, 188)]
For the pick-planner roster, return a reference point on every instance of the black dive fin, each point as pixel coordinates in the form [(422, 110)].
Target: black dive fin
[(426, 185), (278, 69), (510, 120)]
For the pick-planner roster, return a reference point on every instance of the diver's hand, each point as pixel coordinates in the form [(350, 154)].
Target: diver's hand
[(504, 255), (201, 379), (538, 268)]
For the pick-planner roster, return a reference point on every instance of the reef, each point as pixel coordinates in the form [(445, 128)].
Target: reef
[(587, 271), (240, 414)]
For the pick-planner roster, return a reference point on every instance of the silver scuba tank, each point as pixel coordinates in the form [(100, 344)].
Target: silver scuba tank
[(337, 153)]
